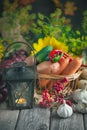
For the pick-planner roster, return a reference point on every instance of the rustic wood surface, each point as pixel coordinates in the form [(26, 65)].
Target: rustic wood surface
[(75, 122), (40, 119)]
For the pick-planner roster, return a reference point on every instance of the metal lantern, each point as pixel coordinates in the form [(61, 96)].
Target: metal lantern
[(20, 80)]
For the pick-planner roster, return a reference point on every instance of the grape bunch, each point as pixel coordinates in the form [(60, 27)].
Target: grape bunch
[(7, 62), (18, 56), (3, 93), (3, 90)]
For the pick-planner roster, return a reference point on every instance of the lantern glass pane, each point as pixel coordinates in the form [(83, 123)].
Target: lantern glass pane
[(21, 94)]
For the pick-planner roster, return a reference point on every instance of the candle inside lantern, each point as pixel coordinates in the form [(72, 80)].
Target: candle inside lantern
[(20, 101)]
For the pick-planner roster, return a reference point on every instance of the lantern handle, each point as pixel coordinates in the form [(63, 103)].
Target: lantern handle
[(19, 42)]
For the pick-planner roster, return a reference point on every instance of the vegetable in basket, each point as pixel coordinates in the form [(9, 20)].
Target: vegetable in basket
[(40, 56), (73, 66), (43, 53), (55, 55), (47, 67)]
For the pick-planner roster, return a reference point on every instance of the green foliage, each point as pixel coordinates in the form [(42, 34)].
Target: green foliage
[(20, 16), (84, 22), (58, 26), (76, 45), (54, 25), (35, 26)]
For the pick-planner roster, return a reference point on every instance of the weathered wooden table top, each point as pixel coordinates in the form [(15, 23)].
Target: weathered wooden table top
[(40, 119)]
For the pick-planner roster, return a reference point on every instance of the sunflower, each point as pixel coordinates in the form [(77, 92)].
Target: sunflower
[(41, 43)]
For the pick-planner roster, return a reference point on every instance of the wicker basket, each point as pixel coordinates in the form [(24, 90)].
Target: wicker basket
[(50, 79)]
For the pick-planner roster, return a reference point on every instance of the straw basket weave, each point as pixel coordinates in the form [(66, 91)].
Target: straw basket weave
[(68, 89)]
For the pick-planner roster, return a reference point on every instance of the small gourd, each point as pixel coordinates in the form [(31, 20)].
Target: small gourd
[(80, 95), (80, 107), (84, 74), (65, 110), (80, 83)]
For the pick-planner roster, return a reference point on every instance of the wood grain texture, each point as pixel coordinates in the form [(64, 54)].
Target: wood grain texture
[(34, 119), (85, 121), (3, 106), (8, 119), (75, 122)]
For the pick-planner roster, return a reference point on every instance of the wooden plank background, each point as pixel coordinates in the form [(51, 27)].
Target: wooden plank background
[(75, 122), (8, 119), (34, 119), (40, 119)]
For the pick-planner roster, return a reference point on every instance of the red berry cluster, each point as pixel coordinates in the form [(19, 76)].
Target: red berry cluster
[(58, 87), (48, 99), (68, 102)]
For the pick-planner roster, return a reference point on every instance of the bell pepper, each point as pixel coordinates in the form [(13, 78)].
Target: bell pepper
[(55, 55)]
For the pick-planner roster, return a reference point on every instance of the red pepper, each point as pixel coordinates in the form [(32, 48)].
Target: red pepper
[(55, 55)]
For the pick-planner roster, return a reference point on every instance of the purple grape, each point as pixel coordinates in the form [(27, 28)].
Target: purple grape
[(1, 98), (14, 56), (18, 56), (21, 52), (4, 92)]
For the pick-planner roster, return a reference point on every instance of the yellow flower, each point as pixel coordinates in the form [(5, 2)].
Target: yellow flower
[(2, 48), (49, 41)]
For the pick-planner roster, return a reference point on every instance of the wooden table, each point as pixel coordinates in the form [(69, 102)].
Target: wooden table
[(40, 119)]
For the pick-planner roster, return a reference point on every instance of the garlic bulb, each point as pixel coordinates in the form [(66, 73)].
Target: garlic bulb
[(84, 73), (80, 95), (64, 110)]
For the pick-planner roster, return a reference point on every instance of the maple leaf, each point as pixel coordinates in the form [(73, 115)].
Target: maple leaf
[(70, 8), (57, 3)]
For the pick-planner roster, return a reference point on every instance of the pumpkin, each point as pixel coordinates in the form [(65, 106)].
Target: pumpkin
[(80, 95)]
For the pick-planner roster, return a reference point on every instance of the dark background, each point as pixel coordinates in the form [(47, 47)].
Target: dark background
[(47, 6)]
